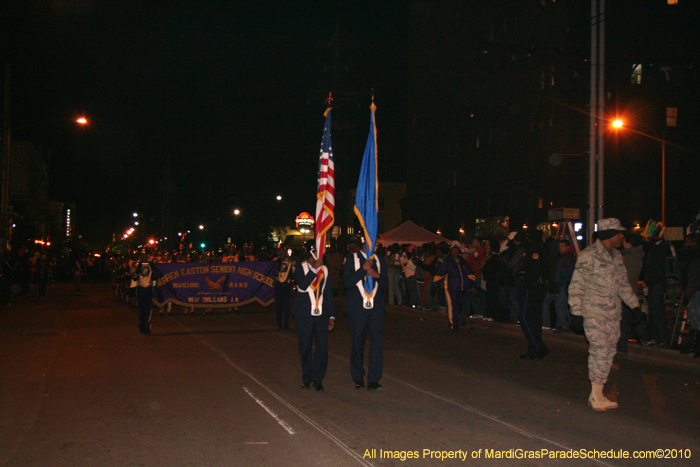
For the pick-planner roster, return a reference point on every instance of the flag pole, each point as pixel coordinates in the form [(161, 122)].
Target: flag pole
[(325, 197)]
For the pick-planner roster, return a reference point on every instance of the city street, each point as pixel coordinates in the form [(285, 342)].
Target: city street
[(80, 386)]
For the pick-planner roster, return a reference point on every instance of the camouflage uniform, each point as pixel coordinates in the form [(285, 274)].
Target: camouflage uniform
[(599, 281)]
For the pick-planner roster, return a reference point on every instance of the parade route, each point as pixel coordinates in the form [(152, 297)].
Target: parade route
[(80, 386)]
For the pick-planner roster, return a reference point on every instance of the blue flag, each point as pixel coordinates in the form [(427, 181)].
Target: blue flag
[(366, 201)]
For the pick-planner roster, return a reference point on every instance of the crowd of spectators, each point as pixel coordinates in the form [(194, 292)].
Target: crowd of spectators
[(496, 294)]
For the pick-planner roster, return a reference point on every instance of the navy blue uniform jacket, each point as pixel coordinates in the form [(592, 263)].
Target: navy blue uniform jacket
[(354, 300), (302, 304)]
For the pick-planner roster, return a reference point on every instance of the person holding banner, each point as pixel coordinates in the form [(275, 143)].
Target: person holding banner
[(365, 314), (145, 276), (314, 314)]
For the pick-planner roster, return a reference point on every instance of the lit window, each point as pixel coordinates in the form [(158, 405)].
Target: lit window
[(671, 116), (637, 74)]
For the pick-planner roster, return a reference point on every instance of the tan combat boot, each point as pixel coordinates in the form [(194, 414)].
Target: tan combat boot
[(597, 401)]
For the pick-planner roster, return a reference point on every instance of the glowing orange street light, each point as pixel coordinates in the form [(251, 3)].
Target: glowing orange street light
[(151, 242), (82, 121), (618, 124)]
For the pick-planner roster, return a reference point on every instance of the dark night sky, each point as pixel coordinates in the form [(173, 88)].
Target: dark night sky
[(230, 93)]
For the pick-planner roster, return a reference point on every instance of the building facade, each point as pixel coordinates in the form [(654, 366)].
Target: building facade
[(498, 108)]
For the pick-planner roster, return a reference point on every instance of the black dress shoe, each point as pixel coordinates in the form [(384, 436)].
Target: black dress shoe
[(359, 384), (543, 353), (529, 356), (374, 386), (305, 385), (318, 385)]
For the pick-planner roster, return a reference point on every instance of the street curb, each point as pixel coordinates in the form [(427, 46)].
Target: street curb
[(634, 351)]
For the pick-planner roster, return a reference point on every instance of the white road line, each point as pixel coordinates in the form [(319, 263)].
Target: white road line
[(468, 408), (299, 413), (284, 424)]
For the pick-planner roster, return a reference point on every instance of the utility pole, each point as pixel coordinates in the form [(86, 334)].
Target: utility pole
[(597, 116), (601, 107), (5, 198)]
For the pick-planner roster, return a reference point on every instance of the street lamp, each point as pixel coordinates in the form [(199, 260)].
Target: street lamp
[(618, 125), (5, 228)]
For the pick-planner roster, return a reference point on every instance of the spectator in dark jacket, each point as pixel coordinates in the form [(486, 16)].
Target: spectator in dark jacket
[(633, 258), (496, 293), (655, 280), (566, 263), (691, 291)]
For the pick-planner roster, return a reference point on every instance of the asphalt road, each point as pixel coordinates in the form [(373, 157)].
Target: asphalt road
[(80, 386)]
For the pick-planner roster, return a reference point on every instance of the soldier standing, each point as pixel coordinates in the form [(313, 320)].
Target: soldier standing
[(598, 284)]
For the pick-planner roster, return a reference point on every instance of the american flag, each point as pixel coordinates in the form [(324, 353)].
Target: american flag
[(325, 194)]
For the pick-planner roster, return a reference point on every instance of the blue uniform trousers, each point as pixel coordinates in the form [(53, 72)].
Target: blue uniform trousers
[(310, 330), (531, 318), (144, 297), (657, 327), (454, 307), (283, 302), (360, 322)]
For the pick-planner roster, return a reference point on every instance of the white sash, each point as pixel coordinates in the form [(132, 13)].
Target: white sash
[(367, 298), (316, 308)]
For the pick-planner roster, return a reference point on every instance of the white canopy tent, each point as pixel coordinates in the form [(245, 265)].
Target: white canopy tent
[(409, 233)]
